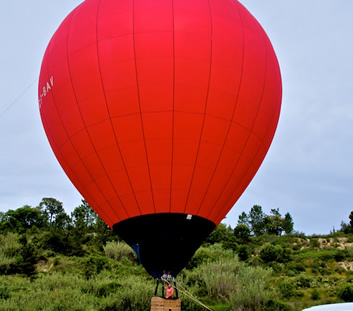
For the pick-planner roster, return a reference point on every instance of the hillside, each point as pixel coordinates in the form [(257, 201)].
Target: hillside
[(279, 273), (77, 263)]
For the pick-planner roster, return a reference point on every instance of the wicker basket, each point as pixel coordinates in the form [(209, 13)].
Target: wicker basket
[(162, 304)]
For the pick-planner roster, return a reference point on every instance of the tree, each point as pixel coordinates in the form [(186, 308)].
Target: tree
[(54, 211), (84, 217), (274, 223), (22, 219), (243, 219), (222, 234), (288, 224), (86, 220), (104, 233), (62, 221), (346, 228), (351, 219), (256, 220), (242, 232)]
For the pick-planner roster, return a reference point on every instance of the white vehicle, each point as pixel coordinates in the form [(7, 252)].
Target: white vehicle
[(332, 307)]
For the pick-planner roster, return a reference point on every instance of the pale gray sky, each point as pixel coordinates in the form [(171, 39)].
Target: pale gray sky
[(308, 171)]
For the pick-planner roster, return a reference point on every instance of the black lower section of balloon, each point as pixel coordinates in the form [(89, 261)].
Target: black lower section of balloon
[(164, 242)]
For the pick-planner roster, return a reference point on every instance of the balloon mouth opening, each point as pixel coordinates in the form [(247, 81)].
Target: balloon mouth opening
[(164, 243)]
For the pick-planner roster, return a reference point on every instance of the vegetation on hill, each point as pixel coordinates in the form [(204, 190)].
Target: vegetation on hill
[(53, 261)]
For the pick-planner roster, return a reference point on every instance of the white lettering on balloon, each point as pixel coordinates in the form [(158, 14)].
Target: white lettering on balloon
[(45, 90)]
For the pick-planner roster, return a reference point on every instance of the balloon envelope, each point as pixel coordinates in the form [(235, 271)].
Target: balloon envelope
[(160, 112)]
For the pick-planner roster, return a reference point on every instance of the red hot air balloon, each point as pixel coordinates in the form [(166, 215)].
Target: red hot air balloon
[(160, 112)]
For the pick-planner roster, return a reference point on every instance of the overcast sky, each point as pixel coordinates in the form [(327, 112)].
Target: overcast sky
[(308, 171)]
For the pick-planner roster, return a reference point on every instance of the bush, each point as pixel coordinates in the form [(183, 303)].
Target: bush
[(133, 295), (269, 253), (212, 253), (107, 289), (9, 251), (341, 255), (74, 293), (273, 305), (4, 292), (244, 252), (219, 278), (51, 292), (346, 293), (287, 288), (303, 281), (253, 289), (294, 268), (28, 259), (229, 280), (93, 265), (315, 295), (119, 250)]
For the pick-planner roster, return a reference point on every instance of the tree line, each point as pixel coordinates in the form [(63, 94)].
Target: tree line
[(47, 226), (258, 223), (67, 234), (50, 214)]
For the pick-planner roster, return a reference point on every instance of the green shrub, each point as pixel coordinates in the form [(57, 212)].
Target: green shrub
[(134, 295), (341, 255), (219, 278), (253, 289), (286, 288), (93, 265), (119, 250), (244, 285), (315, 295), (28, 259), (62, 242), (107, 289), (269, 253), (229, 281), (9, 252), (243, 252), (276, 267), (295, 267), (349, 251), (9, 244), (212, 253), (50, 292), (346, 292), (4, 292), (303, 281)]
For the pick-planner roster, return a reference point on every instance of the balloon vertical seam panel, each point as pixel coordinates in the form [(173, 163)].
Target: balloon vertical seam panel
[(213, 122), (85, 75), (127, 198)]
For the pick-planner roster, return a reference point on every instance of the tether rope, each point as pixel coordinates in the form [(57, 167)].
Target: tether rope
[(18, 98), (180, 288)]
